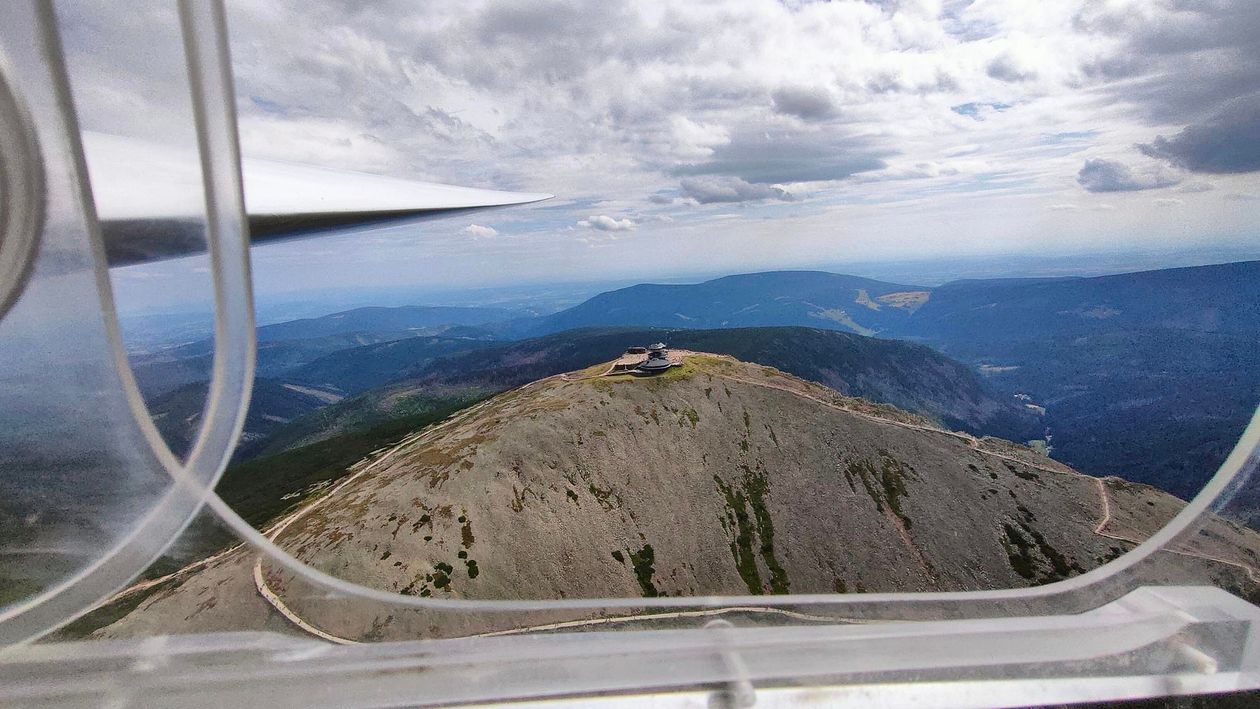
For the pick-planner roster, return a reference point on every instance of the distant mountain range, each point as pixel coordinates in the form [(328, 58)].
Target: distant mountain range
[(407, 318), (1150, 376), (285, 346), (805, 298), (1223, 298)]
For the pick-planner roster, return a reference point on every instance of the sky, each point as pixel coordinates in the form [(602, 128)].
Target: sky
[(707, 137)]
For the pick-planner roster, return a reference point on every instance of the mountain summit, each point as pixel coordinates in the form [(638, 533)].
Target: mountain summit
[(716, 477)]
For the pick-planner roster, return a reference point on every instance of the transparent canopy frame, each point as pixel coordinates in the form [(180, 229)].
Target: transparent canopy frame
[(1102, 634)]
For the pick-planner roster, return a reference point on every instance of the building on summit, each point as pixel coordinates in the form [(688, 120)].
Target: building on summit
[(657, 360), (634, 361)]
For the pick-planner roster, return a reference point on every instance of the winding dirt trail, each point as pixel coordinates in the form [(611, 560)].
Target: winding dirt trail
[(143, 585), (1106, 504), (1100, 530)]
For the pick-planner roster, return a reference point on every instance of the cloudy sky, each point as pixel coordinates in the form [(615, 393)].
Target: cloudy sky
[(687, 137)]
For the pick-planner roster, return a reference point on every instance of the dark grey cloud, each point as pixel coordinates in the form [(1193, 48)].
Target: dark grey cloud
[(1228, 142), (1180, 61), (781, 157), (1191, 91), (1005, 68), (1197, 25), (715, 189), (809, 103), (1100, 175)]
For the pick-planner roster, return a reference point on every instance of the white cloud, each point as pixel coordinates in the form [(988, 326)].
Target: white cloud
[(696, 140), (603, 222), (480, 232)]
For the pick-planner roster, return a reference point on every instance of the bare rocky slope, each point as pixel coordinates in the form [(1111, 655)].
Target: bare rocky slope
[(718, 477)]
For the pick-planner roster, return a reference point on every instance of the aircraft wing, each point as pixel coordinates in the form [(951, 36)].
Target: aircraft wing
[(149, 199)]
